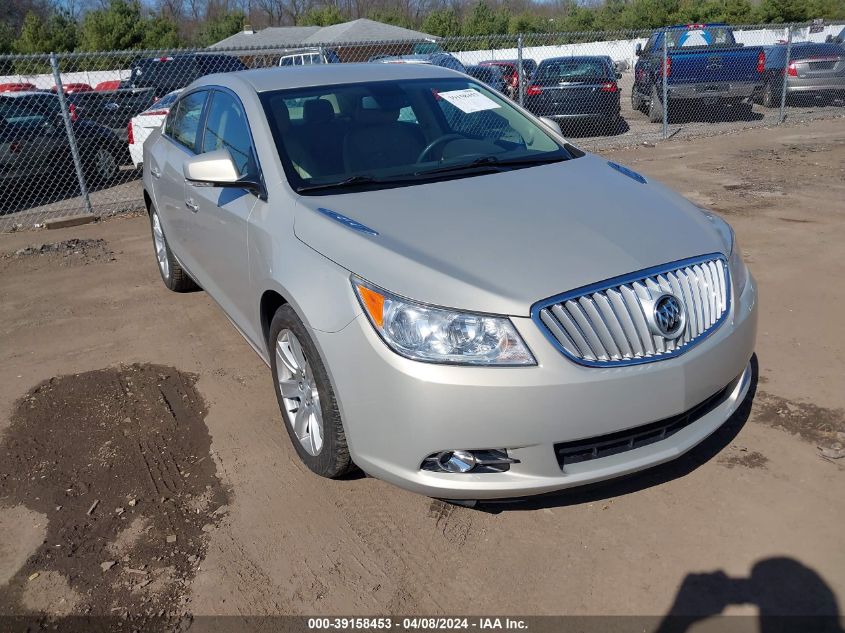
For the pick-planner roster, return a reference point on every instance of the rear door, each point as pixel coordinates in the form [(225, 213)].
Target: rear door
[(218, 243), (167, 155)]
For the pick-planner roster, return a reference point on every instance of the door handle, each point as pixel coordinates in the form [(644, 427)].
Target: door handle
[(193, 206), (155, 171)]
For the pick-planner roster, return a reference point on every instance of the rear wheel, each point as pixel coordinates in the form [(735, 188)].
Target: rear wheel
[(769, 100), (636, 100), (103, 166), (306, 398), (655, 107), (172, 274)]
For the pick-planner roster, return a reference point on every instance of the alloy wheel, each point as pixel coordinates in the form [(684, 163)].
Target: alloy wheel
[(106, 165), (160, 246), (299, 391)]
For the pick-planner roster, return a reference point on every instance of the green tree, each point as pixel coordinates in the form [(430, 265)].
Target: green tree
[(483, 20), (323, 16), (780, 11), (220, 27), (442, 22), (827, 9), (578, 19), (117, 27), (527, 23), (56, 33), (161, 32), (391, 16)]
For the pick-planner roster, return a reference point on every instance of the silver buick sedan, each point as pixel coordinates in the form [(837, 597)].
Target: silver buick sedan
[(450, 296)]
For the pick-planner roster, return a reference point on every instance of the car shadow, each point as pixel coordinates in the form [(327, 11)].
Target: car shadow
[(789, 596), (635, 482), (680, 112), (585, 129)]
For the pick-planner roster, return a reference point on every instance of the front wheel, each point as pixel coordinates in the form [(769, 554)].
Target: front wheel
[(306, 398)]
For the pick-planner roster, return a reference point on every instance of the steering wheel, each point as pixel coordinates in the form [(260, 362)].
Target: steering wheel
[(435, 144)]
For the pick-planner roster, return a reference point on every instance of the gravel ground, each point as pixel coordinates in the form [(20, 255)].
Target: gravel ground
[(749, 523)]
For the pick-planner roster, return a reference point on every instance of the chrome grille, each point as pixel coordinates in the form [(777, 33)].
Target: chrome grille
[(608, 324)]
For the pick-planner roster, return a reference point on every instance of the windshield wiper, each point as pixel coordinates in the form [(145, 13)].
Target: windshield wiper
[(352, 180), (493, 163)]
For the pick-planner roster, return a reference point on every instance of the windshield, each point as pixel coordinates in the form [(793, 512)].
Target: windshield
[(400, 133), (573, 70), (706, 36)]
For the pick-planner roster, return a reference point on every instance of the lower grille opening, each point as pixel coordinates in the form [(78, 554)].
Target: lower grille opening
[(614, 443)]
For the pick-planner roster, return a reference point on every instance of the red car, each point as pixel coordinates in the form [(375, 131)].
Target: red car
[(71, 88), (107, 86), (511, 74), (19, 87)]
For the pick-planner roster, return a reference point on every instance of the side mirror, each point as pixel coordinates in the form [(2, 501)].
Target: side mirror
[(216, 169), (638, 50), (829, 38), (551, 123)]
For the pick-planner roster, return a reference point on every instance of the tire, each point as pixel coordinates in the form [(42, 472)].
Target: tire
[(655, 107), (636, 100), (172, 274), (768, 99), (311, 393), (102, 166)]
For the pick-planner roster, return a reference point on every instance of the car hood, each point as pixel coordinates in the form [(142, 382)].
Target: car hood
[(500, 242)]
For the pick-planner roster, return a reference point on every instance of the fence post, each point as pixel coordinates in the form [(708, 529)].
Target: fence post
[(520, 74), (782, 113), (74, 150), (665, 81)]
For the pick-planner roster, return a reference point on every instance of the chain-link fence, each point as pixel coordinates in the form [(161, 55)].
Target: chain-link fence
[(72, 125)]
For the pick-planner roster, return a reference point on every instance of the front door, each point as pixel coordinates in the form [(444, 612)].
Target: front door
[(220, 229)]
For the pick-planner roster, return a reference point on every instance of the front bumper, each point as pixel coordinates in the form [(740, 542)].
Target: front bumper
[(396, 412)]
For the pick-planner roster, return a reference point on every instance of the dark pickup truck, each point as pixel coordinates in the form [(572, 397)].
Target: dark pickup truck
[(704, 66)]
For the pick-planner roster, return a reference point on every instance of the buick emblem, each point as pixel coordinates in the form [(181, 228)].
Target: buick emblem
[(669, 316)]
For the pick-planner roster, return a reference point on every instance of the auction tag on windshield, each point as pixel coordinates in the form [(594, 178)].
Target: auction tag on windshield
[(469, 100)]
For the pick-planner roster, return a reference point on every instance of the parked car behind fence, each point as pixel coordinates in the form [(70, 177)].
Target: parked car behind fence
[(580, 90), (814, 71), (35, 153), (171, 72), (490, 75), (510, 70), (704, 66)]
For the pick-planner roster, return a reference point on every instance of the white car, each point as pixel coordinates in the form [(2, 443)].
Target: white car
[(142, 124)]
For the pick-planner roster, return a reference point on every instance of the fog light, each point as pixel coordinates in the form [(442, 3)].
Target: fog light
[(456, 461), (464, 461)]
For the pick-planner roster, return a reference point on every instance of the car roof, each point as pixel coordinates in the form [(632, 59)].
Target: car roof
[(567, 58), (276, 78), (25, 93)]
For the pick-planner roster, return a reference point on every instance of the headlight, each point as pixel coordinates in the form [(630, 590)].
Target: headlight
[(440, 335), (739, 271)]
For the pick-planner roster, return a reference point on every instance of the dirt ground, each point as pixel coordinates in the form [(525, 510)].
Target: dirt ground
[(114, 390)]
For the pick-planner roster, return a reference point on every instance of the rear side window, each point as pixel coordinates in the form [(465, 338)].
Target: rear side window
[(184, 120), (226, 127)]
